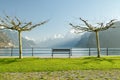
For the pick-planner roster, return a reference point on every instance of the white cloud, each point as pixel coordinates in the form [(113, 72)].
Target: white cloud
[(1, 27), (72, 31), (58, 36), (28, 38)]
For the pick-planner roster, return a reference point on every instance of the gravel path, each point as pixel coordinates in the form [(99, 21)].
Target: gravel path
[(64, 75)]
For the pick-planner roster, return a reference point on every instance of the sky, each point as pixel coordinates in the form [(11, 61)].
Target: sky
[(60, 13)]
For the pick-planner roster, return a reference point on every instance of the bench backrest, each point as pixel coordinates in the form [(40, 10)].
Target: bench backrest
[(60, 50)]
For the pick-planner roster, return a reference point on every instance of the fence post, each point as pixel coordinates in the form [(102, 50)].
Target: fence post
[(32, 51), (71, 52), (11, 51), (52, 53), (89, 52), (107, 51)]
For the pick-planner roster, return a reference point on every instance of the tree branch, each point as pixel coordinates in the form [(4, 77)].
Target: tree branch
[(27, 24), (88, 25), (41, 23), (80, 29), (19, 23)]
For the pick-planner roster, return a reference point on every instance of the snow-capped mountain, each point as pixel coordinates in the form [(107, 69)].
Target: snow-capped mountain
[(59, 40)]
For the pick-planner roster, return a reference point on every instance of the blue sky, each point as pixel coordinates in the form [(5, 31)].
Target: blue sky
[(60, 13)]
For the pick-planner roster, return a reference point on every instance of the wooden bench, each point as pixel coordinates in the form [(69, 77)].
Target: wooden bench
[(61, 51)]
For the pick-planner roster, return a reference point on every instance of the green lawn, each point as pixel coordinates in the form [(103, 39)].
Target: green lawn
[(58, 64)]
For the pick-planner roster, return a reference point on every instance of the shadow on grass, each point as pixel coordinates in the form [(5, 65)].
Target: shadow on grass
[(97, 60), (8, 61), (12, 60)]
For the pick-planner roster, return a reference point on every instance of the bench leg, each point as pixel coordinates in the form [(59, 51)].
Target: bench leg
[(52, 55), (69, 55)]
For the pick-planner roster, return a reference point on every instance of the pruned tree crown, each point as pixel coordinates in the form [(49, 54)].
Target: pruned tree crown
[(15, 24), (91, 28)]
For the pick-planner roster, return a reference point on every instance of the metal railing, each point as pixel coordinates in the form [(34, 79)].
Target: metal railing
[(36, 51)]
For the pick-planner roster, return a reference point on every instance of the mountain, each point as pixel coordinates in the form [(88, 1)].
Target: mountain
[(83, 42), (108, 39), (4, 40), (10, 38), (67, 41)]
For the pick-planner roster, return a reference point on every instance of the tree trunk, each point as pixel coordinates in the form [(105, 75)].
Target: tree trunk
[(98, 44), (20, 44)]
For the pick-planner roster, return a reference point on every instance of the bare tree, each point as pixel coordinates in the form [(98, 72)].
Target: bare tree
[(17, 25), (96, 29)]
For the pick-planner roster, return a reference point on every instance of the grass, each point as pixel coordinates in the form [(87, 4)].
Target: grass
[(86, 68), (58, 64)]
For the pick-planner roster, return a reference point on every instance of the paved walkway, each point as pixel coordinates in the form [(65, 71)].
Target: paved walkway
[(64, 75)]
